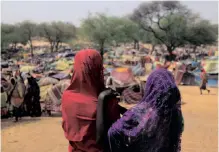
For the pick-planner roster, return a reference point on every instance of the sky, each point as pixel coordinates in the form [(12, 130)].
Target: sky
[(75, 11)]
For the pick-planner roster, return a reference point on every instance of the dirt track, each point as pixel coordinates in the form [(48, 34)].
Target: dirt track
[(46, 135)]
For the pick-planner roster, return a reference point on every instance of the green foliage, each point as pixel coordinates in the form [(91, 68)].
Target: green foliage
[(201, 33), (159, 22), (10, 34), (56, 33), (97, 28), (173, 25)]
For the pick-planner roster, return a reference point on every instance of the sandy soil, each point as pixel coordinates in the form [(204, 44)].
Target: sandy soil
[(45, 134)]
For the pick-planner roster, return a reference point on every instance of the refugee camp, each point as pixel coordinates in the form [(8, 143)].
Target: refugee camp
[(126, 76)]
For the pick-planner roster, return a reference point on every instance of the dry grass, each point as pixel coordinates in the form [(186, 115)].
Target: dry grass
[(45, 134)]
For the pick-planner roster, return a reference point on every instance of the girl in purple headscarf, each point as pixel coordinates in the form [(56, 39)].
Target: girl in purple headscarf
[(155, 124)]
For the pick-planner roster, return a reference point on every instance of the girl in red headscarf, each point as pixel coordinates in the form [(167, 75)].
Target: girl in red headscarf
[(79, 102)]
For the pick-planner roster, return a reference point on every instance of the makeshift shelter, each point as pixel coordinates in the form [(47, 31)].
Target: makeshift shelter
[(183, 76), (138, 70), (61, 76), (54, 95), (120, 79), (180, 70), (47, 81), (27, 68), (43, 92), (62, 65), (124, 75), (188, 79), (211, 66)]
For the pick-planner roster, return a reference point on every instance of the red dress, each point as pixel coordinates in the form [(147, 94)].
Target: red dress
[(79, 102)]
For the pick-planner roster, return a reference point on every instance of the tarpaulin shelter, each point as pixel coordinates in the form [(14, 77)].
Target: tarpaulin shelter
[(61, 76), (27, 68), (124, 75), (211, 66), (182, 76), (54, 95), (188, 79), (62, 65), (138, 70), (180, 70), (43, 92), (47, 81)]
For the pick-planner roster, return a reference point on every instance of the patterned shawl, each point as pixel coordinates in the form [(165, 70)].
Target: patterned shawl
[(155, 124)]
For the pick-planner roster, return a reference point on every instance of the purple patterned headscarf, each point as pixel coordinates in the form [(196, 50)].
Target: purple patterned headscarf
[(155, 123)]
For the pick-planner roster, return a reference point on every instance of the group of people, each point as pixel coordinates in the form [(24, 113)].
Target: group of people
[(20, 96), (154, 124)]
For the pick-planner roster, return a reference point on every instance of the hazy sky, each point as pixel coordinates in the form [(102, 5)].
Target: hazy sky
[(74, 11)]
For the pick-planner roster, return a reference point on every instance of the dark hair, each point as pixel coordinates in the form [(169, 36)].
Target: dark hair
[(13, 81), (2, 89)]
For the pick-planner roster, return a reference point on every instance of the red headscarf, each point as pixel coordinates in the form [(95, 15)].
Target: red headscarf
[(79, 101)]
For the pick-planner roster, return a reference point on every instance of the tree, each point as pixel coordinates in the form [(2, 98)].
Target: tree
[(28, 31), (200, 33), (57, 32), (99, 29), (47, 31), (10, 35), (166, 20), (63, 32), (127, 31)]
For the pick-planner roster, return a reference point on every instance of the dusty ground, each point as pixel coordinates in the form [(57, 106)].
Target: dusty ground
[(46, 135)]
